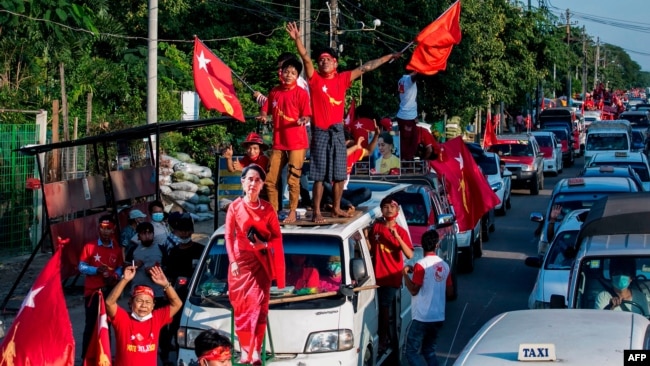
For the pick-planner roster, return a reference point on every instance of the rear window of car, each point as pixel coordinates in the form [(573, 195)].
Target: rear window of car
[(636, 120), (544, 141), (639, 168), (607, 141), (488, 165), (560, 134)]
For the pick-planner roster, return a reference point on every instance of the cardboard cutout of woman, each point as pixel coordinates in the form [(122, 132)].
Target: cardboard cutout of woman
[(256, 255)]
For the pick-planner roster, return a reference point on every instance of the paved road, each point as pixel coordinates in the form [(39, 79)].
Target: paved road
[(501, 281)]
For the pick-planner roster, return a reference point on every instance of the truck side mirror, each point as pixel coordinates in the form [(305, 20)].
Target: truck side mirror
[(536, 217), (358, 269)]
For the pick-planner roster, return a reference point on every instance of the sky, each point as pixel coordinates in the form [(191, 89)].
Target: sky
[(623, 23)]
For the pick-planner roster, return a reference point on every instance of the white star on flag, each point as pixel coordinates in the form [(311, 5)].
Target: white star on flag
[(377, 237), (203, 62), (103, 323), (98, 258), (325, 89), (358, 125), (275, 103), (29, 299), (460, 161)]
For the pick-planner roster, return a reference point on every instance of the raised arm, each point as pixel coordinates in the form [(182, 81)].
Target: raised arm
[(373, 64), (111, 300), (294, 33), (159, 278)]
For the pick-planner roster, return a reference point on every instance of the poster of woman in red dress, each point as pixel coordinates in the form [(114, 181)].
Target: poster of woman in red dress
[(256, 257)]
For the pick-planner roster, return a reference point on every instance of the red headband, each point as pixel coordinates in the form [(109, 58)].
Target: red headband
[(221, 353), (107, 224), (325, 54), (142, 290)]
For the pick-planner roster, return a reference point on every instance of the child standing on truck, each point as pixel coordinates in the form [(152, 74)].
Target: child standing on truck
[(429, 286), (388, 241)]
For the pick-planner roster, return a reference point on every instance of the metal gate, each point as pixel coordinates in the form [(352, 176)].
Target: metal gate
[(18, 229)]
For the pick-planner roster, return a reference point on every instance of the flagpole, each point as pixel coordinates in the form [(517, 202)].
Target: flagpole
[(231, 70), (402, 51)]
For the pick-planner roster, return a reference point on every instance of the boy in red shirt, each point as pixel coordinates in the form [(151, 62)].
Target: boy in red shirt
[(289, 105), (101, 262), (388, 242), (255, 147)]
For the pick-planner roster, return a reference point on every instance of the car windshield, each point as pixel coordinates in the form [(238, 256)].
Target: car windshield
[(559, 254), (488, 165), (560, 134), (415, 209), (575, 201), (637, 120), (607, 141), (544, 141), (638, 137), (600, 275), (520, 149), (313, 251)]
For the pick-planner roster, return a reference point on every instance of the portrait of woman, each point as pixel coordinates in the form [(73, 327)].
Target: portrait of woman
[(387, 159)]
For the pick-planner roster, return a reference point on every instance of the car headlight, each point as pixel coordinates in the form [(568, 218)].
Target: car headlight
[(186, 336), (330, 341), (496, 186), (527, 168)]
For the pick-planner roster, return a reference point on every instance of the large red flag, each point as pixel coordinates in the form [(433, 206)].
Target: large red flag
[(41, 334), (490, 137), (99, 348), (213, 82), (434, 43), (468, 190)]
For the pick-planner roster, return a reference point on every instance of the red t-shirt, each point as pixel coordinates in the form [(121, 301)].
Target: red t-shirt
[(328, 98), (360, 128), (286, 107), (95, 255), (388, 254), (353, 158), (305, 277), (261, 160), (136, 342)]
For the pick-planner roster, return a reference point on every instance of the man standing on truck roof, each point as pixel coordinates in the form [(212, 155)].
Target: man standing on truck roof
[(430, 285)]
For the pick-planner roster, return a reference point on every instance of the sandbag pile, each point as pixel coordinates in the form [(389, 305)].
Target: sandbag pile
[(188, 184)]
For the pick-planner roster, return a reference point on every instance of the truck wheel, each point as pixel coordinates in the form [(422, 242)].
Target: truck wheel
[(534, 189), (466, 260)]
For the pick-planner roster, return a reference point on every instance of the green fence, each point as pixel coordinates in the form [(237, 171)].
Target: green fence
[(18, 229)]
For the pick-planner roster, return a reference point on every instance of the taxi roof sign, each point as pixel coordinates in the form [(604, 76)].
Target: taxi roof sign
[(575, 181), (620, 154), (536, 352), (606, 169)]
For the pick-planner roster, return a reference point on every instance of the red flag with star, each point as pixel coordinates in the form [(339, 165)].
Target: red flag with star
[(213, 82), (467, 188), (350, 116), (99, 348), (41, 334), (435, 42)]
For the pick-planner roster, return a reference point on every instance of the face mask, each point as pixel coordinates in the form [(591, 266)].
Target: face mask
[(141, 318), (184, 241), (334, 268), (157, 216), (621, 282)]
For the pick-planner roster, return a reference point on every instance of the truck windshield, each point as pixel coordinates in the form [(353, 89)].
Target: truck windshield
[(602, 278), (520, 149), (607, 141), (308, 262)]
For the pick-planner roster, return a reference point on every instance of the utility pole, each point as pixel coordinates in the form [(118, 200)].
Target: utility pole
[(568, 42), (584, 62), (305, 24), (597, 62), (334, 23), (152, 70)]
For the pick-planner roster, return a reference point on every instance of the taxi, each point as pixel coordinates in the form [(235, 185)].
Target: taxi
[(577, 193), (553, 275), (636, 160), (549, 337)]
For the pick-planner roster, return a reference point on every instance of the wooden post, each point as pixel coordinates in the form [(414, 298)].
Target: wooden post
[(64, 110), (55, 168)]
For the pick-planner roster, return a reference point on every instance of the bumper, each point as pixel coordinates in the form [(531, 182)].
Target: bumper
[(349, 357), (522, 178)]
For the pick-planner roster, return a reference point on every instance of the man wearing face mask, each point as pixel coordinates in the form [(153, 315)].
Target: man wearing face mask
[(182, 258), (145, 256), (160, 229), (331, 279), (621, 296)]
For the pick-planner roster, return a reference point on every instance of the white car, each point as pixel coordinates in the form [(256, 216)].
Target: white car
[(551, 148), (499, 181), (636, 160), (553, 275), (556, 337)]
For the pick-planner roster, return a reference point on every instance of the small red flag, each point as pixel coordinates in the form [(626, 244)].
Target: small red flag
[(529, 123), (99, 348), (435, 42), (41, 334), (490, 137), (468, 190), (213, 82)]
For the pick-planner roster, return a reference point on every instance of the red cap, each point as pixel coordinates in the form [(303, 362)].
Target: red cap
[(386, 123), (254, 138)]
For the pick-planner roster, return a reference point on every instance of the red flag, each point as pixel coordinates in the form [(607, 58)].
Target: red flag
[(529, 123), (490, 137), (350, 116), (99, 348), (213, 82), (468, 189), (434, 43), (41, 334)]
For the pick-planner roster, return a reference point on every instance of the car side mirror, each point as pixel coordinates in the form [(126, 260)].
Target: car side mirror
[(535, 262), (358, 269), (445, 220), (536, 217), (506, 173)]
